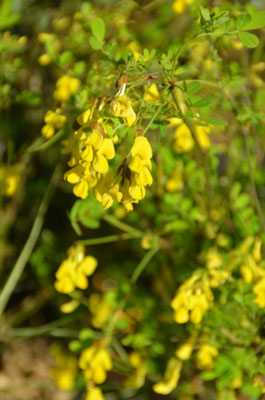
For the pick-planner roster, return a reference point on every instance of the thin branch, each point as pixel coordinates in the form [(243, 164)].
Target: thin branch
[(30, 244)]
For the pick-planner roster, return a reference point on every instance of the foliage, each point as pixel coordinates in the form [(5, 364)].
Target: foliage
[(132, 157)]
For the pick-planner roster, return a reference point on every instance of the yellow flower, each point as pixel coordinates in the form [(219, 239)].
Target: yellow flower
[(192, 300), (137, 379), (184, 142), (107, 191), (152, 93), (45, 59), (91, 152), (53, 121), (133, 189), (259, 290), (122, 107), (65, 369), (73, 271), (94, 393), (100, 309), (175, 182), (171, 377), (95, 361), (179, 5), (184, 351), (10, 179), (206, 355), (66, 86)]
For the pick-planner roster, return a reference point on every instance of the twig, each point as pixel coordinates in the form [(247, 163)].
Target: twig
[(143, 263), (30, 244), (111, 238)]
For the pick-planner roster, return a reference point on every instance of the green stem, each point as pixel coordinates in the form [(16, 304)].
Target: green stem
[(143, 263), (153, 118), (197, 143), (119, 224), (253, 184), (29, 246), (109, 239)]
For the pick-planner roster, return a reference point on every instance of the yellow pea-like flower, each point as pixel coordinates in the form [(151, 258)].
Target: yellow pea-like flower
[(122, 107), (94, 393), (95, 361), (45, 59), (73, 271), (152, 93), (171, 377), (184, 351), (206, 355)]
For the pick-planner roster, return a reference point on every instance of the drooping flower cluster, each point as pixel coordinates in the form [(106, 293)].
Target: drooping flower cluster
[(171, 377), (53, 121), (139, 173), (90, 154), (73, 271), (192, 300), (91, 147)]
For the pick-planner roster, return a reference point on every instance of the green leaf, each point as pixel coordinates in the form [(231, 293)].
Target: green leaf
[(214, 121), (205, 13), (203, 102), (248, 39), (178, 225), (10, 20), (98, 29), (252, 391), (257, 20), (193, 87), (242, 20), (6, 8), (94, 43), (242, 201), (65, 58)]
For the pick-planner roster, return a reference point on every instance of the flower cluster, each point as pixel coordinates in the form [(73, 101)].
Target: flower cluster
[(73, 271), (90, 154), (66, 86), (192, 300), (139, 175), (206, 355), (95, 361), (183, 140), (171, 377), (175, 181), (251, 271), (91, 147), (214, 264), (53, 121), (100, 309)]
